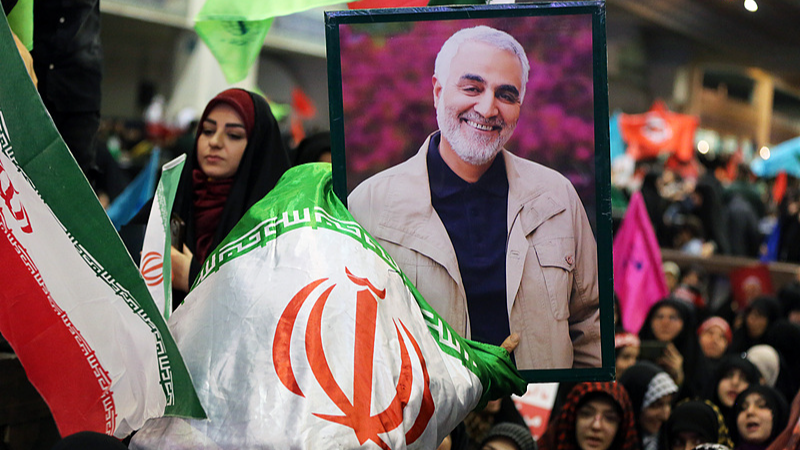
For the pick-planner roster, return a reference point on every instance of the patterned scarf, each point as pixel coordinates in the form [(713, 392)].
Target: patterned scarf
[(560, 434)]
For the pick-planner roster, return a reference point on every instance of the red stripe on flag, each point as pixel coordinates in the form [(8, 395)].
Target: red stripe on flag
[(58, 361)]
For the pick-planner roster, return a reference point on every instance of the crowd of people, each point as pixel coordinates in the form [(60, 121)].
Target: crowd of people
[(716, 205)]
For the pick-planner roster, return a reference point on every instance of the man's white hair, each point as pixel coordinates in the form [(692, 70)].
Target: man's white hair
[(486, 35)]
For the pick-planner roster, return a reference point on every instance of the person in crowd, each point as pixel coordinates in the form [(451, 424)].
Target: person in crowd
[(714, 336), (314, 148), (672, 321), (626, 348), (695, 422), (789, 223), (655, 205), (478, 423), (745, 236), (789, 437), (693, 287), (689, 236), (496, 243), (756, 319), (768, 362), (789, 298), (672, 272), (708, 205), (760, 414), (595, 416), (747, 186), (238, 159), (784, 337), (508, 436), (651, 391), (734, 374)]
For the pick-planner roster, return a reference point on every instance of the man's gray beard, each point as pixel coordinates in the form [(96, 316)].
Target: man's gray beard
[(475, 150)]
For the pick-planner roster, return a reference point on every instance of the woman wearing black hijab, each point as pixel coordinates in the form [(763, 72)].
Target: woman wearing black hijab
[(759, 415), (220, 181), (695, 422), (672, 321), (757, 317), (733, 375)]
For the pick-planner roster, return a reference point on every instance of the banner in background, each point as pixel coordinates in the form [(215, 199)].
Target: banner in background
[(536, 405), (659, 131)]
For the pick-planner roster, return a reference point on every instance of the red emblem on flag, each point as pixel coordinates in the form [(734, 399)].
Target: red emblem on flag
[(152, 268), (12, 201), (356, 413)]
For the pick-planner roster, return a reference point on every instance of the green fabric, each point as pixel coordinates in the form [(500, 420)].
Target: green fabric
[(20, 19), (234, 30)]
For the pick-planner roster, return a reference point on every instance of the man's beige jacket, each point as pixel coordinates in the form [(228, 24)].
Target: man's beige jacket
[(551, 257)]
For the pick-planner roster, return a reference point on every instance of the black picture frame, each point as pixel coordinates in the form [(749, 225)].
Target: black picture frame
[(381, 61)]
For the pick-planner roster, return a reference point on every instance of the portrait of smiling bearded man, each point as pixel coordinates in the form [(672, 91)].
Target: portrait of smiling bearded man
[(500, 246)]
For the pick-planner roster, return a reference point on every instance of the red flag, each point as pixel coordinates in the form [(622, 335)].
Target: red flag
[(659, 131), (638, 273), (302, 105), (748, 283), (366, 4)]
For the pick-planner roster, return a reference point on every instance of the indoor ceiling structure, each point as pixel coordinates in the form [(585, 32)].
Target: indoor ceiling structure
[(768, 38)]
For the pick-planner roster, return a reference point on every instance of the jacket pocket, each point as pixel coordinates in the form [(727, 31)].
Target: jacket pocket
[(557, 260)]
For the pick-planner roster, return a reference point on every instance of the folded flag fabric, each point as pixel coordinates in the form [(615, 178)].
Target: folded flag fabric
[(302, 332), (72, 303), (155, 262)]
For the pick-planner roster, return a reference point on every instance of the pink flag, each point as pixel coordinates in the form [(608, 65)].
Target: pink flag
[(638, 273)]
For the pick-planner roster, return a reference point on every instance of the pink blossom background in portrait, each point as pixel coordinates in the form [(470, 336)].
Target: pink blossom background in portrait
[(387, 93)]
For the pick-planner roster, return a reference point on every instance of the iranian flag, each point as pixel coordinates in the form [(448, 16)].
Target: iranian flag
[(302, 332), (155, 259), (72, 303)]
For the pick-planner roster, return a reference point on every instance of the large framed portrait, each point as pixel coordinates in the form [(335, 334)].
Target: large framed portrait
[(472, 143)]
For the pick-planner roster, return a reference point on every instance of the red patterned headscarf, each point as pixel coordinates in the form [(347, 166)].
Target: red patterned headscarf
[(560, 434)]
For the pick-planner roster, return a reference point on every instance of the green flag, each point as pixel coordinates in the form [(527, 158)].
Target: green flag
[(234, 30), (20, 19)]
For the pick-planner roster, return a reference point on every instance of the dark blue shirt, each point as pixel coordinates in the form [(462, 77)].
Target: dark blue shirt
[(474, 215)]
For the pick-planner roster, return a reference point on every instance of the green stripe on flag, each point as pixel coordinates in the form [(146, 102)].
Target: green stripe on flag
[(167, 187)]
